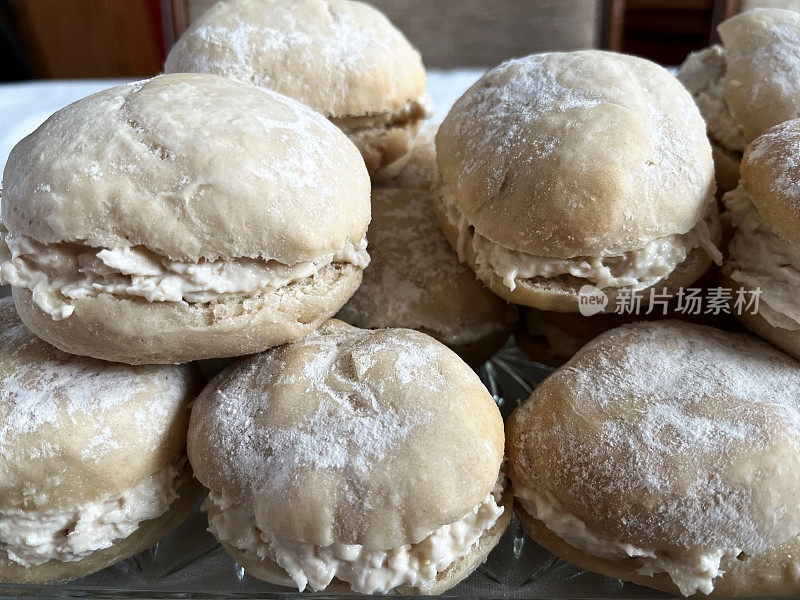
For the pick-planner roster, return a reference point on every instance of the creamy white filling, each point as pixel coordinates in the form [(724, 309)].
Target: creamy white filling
[(690, 571), (703, 74), (59, 273), (637, 269), (33, 537), (759, 259), (367, 572)]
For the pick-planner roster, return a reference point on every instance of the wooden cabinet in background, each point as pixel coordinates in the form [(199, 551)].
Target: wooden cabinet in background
[(483, 33), (130, 38), (665, 30), (91, 38)]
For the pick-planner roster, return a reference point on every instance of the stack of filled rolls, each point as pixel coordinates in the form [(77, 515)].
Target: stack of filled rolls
[(277, 201)]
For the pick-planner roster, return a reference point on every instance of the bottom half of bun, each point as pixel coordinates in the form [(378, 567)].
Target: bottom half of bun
[(775, 572), (552, 338), (787, 340), (146, 536), (135, 331), (268, 570), (561, 294)]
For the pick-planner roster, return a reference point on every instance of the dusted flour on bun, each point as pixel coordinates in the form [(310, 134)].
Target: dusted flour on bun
[(667, 454), (582, 168), (94, 467), (415, 281), (183, 217), (353, 460), (342, 58)]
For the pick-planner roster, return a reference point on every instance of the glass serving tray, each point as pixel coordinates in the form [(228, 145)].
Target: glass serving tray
[(189, 563)]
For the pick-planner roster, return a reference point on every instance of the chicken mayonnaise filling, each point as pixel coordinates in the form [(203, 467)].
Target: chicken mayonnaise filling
[(30, 537), (367, 572), (58, 274), (760, 260), (637, 269)]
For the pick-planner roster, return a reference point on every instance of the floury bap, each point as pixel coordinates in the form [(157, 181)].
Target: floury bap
[(764, 251), (416, 281), (342, 58), (94, 467), (385, 451), (562, 170), (667, 454), (180, 218), (747, 84)]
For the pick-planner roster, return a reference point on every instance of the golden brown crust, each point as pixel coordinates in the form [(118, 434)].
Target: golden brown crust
[(141, 332), (146, 536)]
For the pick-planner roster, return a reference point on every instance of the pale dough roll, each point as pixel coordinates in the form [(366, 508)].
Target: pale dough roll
[(558, 170), (93, 467), (197, 216), (342, 58), (415, 281), (667, 454), (384, 447), (747, 84)]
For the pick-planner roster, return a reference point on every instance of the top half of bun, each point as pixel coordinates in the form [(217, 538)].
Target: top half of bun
[(762, 79), (371, 437), (189, 166), (340, 57), (770, 172), (578, 153), (75, 429)]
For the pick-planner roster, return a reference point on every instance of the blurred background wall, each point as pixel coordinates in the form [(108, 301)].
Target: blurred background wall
[(453, 33), (130, 38), (61, 39)]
